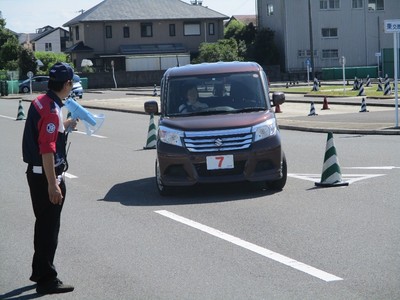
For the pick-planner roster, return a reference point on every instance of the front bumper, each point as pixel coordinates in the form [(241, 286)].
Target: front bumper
[(261, 162)]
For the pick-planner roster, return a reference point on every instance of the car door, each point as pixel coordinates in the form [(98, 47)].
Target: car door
[(41, 84)]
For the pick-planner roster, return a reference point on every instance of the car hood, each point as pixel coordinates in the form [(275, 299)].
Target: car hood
[(217, 122)]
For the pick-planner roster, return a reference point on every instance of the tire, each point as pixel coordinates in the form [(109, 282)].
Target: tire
[(25, 89), (162, 189), (279, 184)]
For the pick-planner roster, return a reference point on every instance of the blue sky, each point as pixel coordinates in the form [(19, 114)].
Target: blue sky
[(25, 16)]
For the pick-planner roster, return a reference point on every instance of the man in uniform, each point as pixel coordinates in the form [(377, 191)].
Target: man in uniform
[(44, 150)]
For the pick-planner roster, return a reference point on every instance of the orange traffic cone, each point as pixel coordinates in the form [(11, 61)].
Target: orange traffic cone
[(325, 105)]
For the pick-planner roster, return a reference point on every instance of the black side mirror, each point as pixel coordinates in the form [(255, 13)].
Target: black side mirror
[(278, 98), (151, 107)]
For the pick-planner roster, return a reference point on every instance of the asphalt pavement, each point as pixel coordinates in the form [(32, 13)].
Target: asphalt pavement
[(346, 115)]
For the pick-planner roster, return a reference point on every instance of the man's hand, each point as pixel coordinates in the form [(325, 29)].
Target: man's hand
[(55, 194), (71, 123)]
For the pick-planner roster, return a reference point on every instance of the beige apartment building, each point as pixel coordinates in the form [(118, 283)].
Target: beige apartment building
[(350, 28)]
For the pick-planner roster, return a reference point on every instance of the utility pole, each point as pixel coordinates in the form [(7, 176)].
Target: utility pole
[(311, 40)]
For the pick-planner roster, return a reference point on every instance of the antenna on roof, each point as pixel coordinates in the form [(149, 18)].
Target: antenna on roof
[(196, 2), (81, 11)]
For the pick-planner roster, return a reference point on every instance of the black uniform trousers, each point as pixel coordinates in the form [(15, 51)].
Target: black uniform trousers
[(47, 226)]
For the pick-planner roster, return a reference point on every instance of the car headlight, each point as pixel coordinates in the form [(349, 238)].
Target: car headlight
[(265, 129), (170, 136)]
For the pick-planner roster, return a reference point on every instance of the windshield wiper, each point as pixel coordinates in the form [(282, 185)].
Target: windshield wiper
[(248, 109)]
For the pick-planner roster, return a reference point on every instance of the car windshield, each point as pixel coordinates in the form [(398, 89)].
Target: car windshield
[(215, 94)]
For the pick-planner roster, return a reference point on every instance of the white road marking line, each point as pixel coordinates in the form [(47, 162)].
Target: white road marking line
[(350, 178), (68, 175), (252, 247), (7, 117), (94, 135), (373, 168)]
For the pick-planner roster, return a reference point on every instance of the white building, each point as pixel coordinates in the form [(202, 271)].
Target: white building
[(350, 28), (47, 39)]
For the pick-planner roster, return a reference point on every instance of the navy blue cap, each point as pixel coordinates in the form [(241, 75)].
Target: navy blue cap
[(61, 72)]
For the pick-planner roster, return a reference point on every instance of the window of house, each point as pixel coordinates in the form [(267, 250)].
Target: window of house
[(172, 31), (306, 53), (108, 32), (48, 47), (270, 9), (357, 3), (330, 53), (376, 5), (329, 32), (329, 4), (191, 29), (126, 32), (211, 29), (146, 29), (77, 33)]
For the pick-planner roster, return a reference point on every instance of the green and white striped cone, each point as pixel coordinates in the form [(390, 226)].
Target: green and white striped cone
[(21, 113), (151, 136), (363, 106), (331, 174), (312, 110)]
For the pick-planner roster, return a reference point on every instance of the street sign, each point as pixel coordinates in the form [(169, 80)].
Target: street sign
[(29, 74), (392, 26)]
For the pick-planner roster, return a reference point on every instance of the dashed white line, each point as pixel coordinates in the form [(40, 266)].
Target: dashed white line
[(252, 247), (94, 135), (7, 117), (70, 176), (373, 168)]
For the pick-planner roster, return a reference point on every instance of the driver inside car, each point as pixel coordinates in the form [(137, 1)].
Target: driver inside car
[(192, 102)]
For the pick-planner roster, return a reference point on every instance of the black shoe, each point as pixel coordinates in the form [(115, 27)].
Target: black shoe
[(54, 286), (34, 278)]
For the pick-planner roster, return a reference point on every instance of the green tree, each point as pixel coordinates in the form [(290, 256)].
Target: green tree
[(264, 50), (245, 36), (223, 50), (234, 30), (9, 48), (48, 59), (26, 63)]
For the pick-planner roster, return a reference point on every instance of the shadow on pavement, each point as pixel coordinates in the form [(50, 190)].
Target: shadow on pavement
[(143, 192), (16, 294)]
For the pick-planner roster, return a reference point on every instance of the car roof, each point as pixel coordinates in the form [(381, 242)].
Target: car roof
[(213, 68)]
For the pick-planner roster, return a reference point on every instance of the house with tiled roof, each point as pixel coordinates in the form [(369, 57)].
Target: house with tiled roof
[(133, 35), (47, 39)]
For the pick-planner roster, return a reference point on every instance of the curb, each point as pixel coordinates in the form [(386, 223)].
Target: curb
[(340, 131)]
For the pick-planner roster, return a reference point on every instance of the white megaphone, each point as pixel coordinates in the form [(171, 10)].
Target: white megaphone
[(92, 122)]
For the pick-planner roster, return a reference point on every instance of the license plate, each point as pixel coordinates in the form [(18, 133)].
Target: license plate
[(219, 162)]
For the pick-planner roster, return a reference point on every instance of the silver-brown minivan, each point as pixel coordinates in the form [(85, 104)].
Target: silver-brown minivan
[(217, 125)]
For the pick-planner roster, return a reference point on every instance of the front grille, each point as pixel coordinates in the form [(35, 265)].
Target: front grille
[(218, 140)]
